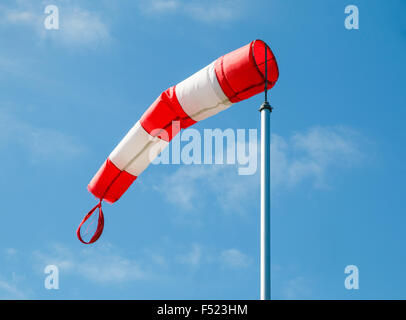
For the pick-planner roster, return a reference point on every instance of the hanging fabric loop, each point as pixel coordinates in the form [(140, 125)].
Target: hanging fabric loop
[(100, 224)]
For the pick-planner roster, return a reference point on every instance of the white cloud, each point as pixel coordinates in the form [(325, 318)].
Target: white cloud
[(10, 291), (160, 6), (99, 264), (199, 255), (11, 253), (297, 288), (214, 11), (19, 17), (188, 187), (78, 27), (41, 143), (102, 264), (206, 11), (235, 258), (157, 259), (10, 288), (81, 27), (193, 257), (310, 157), (312, 154)]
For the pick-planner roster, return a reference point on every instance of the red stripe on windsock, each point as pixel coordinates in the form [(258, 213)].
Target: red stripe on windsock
[(165, 109), (241, 72), (110, 183)]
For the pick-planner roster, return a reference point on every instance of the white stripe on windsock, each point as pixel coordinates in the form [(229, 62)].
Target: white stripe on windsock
[(200, 95), (137, 150)]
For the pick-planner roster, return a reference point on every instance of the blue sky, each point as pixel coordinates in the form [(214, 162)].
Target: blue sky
[(68, 96)]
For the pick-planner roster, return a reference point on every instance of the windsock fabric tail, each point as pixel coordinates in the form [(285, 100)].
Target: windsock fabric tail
[(231, 78)]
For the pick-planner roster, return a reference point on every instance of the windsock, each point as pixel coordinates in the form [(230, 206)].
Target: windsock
[(234, 77)]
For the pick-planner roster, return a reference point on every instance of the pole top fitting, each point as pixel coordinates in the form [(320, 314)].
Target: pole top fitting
[(266, 106)]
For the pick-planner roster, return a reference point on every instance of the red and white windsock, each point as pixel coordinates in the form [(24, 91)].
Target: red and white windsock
[(234, 77)]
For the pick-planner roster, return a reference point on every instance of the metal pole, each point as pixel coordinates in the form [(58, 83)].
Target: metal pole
[(265, 110), (265, 202)]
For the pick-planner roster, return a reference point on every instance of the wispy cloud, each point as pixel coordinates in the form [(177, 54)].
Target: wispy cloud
[(41, 143), (10, 253), (199, 255), (15, 16), (99, 264), (304, 157), (234, 258), (310, 155), (297, 288), (160, 6), (10, 289), (193, 257), (189, 186), (106, 265), (78, 27), (205, 11)]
